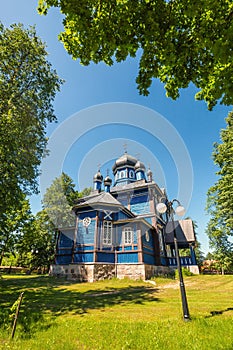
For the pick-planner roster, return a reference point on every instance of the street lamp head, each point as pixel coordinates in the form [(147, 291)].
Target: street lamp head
[(161, 208), (180, 211)]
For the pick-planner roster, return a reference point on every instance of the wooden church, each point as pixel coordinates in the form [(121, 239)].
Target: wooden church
[(118, 232)]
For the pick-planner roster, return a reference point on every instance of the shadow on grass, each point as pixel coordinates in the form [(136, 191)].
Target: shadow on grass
[(43, 300), (215, 313)]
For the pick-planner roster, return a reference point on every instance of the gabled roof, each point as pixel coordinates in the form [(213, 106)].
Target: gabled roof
[(103, 200)]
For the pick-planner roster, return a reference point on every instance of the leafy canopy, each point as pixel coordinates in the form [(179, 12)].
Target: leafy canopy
[(59, 199), (28, 86), (12, 223), (179, 41), (35, 247), (219, 197)]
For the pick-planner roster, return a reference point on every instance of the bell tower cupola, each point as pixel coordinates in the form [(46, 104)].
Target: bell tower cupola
[(140, 171), (123, 170), (97, 181)]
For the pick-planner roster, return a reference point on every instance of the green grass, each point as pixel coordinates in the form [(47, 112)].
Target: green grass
[(118, 314)]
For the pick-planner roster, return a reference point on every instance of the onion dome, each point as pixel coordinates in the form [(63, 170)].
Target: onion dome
[(98, 176), (97, 180), (139, 166), (107, 181), (124, 161)]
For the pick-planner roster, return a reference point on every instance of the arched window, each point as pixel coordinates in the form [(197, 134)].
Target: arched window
[(131, 174), (127, 235), (107, 232), (122, 174)]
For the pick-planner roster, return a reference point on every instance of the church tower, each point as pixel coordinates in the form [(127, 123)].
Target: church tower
[(124, 170)]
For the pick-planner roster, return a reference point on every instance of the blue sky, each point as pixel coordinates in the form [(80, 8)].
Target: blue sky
[(95, 85)]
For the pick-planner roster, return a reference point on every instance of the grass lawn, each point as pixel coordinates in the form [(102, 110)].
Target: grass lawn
[(118, 314)]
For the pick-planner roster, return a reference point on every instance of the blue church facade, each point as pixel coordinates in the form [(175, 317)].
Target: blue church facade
[(118, 232)]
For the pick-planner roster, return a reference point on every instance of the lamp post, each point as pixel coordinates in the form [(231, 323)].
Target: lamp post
[(168, 207)]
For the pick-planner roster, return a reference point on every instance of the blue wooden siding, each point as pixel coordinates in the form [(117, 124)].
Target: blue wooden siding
[(83, 257), (63, 259), (90, 214), (124, 258), (127, 247), (86, 235), (83, 248), (120, 215), (148, 259), (66, 239), (64, 250), (106, 257), (148, 248), (140, 204), (163, 261)]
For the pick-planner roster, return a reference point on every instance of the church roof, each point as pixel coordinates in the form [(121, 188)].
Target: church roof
[(125, 160), (102, 200), (184, 232)]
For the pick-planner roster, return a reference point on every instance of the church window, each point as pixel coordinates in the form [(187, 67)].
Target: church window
[(122, 174), (107, 233), (131, 174), (127, 235)]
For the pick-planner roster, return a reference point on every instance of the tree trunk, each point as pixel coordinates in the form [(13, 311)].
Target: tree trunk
[(1, 257)]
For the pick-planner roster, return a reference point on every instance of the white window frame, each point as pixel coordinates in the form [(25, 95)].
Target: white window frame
[(107, 233), (127, 235)]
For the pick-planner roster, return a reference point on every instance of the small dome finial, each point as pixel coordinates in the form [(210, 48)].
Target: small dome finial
[(125, 147), (149, 174)]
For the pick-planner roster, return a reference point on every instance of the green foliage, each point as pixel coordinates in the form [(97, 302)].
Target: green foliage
[(36, 245), (185, 272), (179, 41), (219, 199), (27, 89), (12, 222), (59, 199), (220, 195)]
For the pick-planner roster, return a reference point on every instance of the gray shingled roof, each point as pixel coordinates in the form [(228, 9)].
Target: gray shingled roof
[(184, 232), (101, 201), (103, 198)]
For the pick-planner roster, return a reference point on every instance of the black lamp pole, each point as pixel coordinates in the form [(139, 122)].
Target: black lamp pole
[(185, 308)]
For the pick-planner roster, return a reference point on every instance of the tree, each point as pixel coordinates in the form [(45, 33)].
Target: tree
[(27, 89), (12, 223), (180, 41), (35, 247), (59, 199), (222, 248), (219, 196)]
